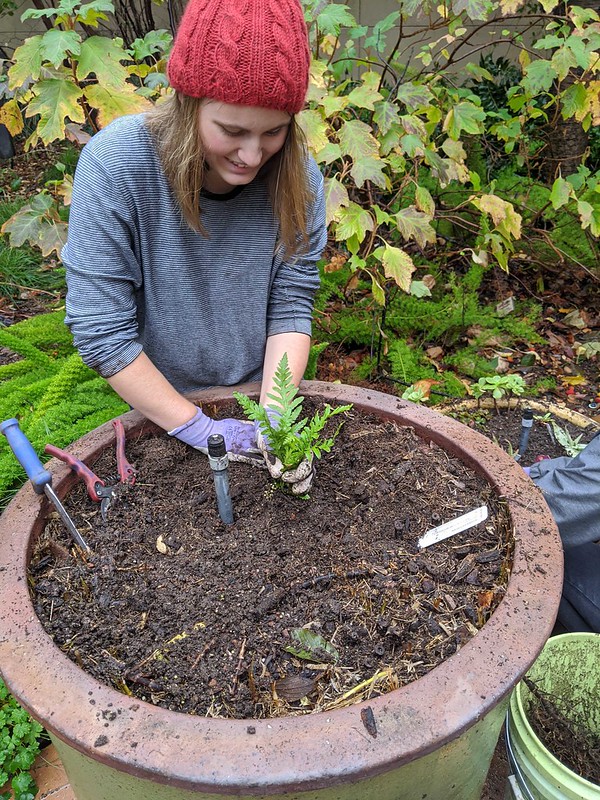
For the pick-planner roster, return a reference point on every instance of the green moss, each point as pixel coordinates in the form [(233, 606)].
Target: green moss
[(55, 397)]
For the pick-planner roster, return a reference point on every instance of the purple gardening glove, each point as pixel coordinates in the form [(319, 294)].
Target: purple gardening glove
[(301, 477), (240, 440)]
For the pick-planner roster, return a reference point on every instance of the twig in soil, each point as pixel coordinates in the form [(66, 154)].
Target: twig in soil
[(202, 653), (272, 601), (239, 670)]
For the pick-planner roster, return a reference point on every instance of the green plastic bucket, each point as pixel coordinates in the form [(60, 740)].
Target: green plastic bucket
[(568, 666)]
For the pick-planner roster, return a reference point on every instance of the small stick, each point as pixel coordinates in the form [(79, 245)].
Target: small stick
[(238, 670)]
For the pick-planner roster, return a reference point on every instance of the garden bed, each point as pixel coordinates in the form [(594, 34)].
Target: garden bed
[(178, 609)]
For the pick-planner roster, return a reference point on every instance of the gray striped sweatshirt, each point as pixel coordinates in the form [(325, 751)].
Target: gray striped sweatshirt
[(139, 279)]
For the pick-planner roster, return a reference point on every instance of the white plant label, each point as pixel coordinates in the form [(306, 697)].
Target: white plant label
[(457, 525)]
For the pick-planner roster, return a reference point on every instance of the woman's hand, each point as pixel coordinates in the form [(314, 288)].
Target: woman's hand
[(240, 440), (300, 478)]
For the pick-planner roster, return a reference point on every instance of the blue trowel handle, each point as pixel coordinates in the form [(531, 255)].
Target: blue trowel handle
[(26, 455)]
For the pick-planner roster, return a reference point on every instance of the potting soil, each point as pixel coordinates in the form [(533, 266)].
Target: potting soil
[(303, 604)]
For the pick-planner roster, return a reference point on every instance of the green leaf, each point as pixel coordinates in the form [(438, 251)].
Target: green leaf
[(386, 116), (310, 646), (57, 45), (333, 18), (476, 9), (539, 77), (414, 95), (562, 61), (101, 57), (153, 42), (561, 193), (464, 116), (590, 217), (336, 198), (419, 289), (370, 169), (367, 95), (353, 221), (112, 102), (414, 224), (574, 101), (424, 201), (90, 13), (27, 63), (397, 265), (314, 128), (377, 291), (56, 101), (357, 141)]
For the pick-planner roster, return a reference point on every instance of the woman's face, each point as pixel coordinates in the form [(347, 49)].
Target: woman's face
[(238, 141)]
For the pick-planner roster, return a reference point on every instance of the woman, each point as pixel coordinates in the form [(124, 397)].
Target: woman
[(195, 229)]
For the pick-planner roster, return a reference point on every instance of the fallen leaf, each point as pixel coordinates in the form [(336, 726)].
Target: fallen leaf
[(295, 687), (425, 386), (485, 599), (161, 546), (573, 380), (435, 352), (575, 319)]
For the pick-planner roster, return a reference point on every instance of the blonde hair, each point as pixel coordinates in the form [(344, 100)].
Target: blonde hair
[(174, 125)]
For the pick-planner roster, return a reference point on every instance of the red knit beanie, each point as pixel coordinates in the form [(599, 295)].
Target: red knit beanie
[(244, 52)]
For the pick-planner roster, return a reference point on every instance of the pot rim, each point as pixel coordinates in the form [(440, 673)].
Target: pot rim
[(273, 756)]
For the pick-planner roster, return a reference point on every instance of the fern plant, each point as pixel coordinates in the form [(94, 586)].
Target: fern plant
[(292, 438)]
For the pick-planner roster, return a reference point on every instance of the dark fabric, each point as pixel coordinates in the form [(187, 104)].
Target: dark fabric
[(580, 604), (571, 487)]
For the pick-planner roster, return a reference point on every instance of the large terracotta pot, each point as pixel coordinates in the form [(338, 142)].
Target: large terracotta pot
[(435, 737)]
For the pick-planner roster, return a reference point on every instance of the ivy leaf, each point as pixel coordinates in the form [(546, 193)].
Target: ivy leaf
[(27, 63), (397, 265), (509, 7), (539, 77), (562, 61), (357, 141), (465, 116), (593, 91), (336, 198), (25, 225), (56, 100), (368, 94), (112, 103), (101, 57), (333, 18), (354, 221), (476, 9), (414, 95), (57, 45), (314, 128), (414, 224), (370, 169), (11, 116), (561, 193)]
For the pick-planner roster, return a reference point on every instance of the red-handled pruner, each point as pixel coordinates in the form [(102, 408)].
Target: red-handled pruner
[(98, 491), (103, 492), (124, 468)]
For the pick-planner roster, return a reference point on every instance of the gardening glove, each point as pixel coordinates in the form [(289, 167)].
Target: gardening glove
[(240, 441), (301, 477)]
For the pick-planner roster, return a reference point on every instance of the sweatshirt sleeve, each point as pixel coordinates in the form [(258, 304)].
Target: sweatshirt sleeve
[(103, 272), (297, 280)]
